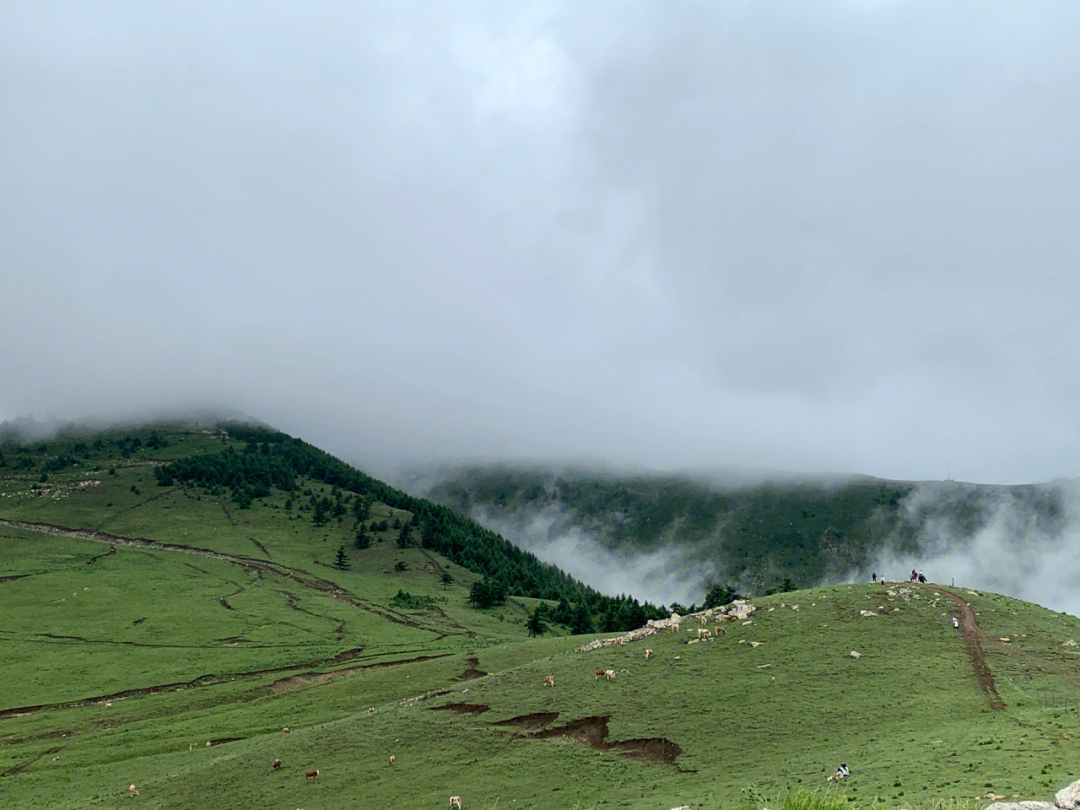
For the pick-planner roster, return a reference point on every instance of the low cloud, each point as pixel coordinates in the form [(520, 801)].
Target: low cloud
[(661, 576), (1023, 542)]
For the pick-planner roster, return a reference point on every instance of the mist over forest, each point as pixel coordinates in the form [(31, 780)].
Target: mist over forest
[(834, 238)]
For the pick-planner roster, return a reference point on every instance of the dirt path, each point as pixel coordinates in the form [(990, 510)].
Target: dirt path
[(970, 629), (298, 575), (214, 680)]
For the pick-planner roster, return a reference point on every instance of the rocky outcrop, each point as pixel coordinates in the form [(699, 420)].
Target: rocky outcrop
[(739, 609)]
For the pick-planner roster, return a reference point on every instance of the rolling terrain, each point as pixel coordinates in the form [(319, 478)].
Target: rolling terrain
[(160, 629)]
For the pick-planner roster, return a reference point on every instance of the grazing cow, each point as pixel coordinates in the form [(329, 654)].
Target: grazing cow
[(192, 746), (371, 711), (719, 630), (132, 792), (310, 774), (600, 673), (455, 801), (108, 705), (277, 765), (609, 674), (704, 619), (549, 680), (648, 654), (703, 632), (393, 759), (285, 730)]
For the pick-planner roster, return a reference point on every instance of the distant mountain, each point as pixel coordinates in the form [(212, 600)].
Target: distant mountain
[(756, 530)]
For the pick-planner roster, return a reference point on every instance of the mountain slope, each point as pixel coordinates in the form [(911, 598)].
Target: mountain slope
[(141, 619)]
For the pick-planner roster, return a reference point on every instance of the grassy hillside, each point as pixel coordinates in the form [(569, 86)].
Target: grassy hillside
[(139, 619), (754, 535)]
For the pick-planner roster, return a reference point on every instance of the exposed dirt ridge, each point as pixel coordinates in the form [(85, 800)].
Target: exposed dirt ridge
[(970, 629)]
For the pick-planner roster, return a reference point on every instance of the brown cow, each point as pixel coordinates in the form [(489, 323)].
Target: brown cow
[(648, 654), (549, 680), (392, 760), (311, 774), (601, 673), (285, 730), (455, 801), (719, 630), (277, 765), (132, 792)]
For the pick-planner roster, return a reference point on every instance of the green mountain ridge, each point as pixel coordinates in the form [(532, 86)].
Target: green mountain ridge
[(754, 535)]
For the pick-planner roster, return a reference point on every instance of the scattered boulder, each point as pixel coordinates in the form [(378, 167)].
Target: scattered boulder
[(1069, 643), (1021, 806), (1068, 798), (856, 654), (739, 609)]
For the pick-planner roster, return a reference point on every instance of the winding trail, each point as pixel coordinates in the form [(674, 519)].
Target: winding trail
[(298, 575), (214, 680), (970, 629)]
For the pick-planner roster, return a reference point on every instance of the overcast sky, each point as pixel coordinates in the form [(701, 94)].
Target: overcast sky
[(813, 236)]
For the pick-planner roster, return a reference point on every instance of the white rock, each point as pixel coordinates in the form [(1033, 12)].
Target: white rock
[(1068, 797), (1020, 806), (856, 654), (1069, 643)]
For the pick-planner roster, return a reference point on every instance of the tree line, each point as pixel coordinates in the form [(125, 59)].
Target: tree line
[(274, 460)]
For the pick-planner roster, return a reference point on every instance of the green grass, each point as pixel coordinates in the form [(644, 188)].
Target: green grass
[(758, 726)]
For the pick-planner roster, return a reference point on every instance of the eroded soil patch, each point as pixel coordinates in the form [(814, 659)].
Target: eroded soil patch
[(463, 708), (296, 681), (223, 740), (471, 671), (593, 732), (529, 722)]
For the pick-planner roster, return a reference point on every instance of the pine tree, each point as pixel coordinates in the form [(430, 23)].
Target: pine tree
[(341, 562), (363, 540), (536, 624)]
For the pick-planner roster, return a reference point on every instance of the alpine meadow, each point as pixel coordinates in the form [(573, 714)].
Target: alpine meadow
[(227, 616)]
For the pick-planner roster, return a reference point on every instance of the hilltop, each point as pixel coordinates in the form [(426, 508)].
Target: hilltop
[(149, 606)]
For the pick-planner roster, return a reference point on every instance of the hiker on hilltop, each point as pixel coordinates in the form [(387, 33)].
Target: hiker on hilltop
[(914, 576), (922, 579), (873, 577)]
